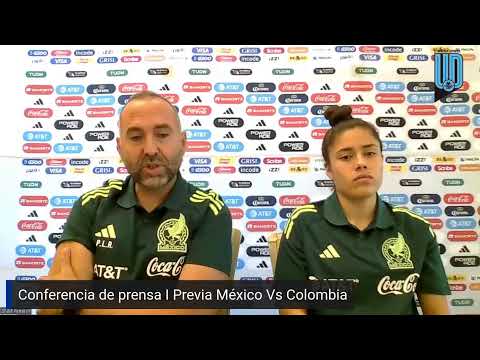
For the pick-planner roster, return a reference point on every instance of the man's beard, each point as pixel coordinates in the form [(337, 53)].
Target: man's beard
[(167, 171)]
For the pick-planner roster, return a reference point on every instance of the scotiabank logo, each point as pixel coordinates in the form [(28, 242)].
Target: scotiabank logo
[(464, 198), (100, 112), (198, 146), (39, 89), (197, 87), (294, 200), (58, 213), (56, 162), (171, 98), (319, 133), (29, 262), (33, 200), (293, 122), (293, 86), (326, 98), (454, 121), (228, 99), (196, 110), (391, 98), (369, 49), (261, 226), (462, 235), (358, 86), (236, 213), (132, 87), (38, 113), (422, 110), (69, 101), (37, 148), (436, 224), (32, 225), (261, 110), (362, 109)]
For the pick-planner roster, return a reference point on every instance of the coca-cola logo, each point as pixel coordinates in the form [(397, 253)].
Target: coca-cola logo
[(294, 200), (325, 98), (196, 110), (293, 86), (388, 286), (463, 198), (165, 268), (32, 225), (38, 113), (132, 87)]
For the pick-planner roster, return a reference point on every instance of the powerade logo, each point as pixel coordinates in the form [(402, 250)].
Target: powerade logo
[(266, 134), (30, 250), (70, 89), (60, 61), (100, 100), (55, 170), (232, 201), (261, 214), (286, 146), (394, 145), (228, 146), (54, 237), (422, 133), (228, 87), (107, 60), (68, 124), (63, 201), (420, 168), (319, 121), (461, 223), (464, 261), (261, 99), (455, 145), (38, 136), (65, 148), (448, 73), (258, 251), (390, 86), (37, 52), (32, 162), (200, 170), (427, 211), (295, 110), (99, 135), (198, 134), (103, 170), (395, 199), (261, 200), (454, 109)]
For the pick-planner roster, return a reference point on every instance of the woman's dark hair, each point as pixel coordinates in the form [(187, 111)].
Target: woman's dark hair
[(340, 119)]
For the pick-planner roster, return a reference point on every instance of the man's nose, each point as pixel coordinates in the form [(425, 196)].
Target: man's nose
[(150, 148)]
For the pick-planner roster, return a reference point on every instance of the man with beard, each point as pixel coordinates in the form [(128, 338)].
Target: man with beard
[(152, 225)]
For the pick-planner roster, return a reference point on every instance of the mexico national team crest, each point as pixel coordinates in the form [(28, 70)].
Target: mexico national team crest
[(397, 253), (172, 235)]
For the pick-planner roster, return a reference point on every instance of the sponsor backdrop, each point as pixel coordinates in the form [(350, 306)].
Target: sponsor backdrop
[(253, 116)]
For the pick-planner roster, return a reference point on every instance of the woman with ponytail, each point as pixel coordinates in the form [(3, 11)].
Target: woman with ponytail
[(390, 254)]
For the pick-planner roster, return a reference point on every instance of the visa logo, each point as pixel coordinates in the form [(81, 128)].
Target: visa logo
[(394, 145), (60, 61), (390, 86), (63, 201), (293, 110), (200, 161), (198, 134), (427, 211), (228, 146), (74, 148), (70, 89), (267, 213), (232, 201), (395, 199), (228, 87), (461, 223), (101, 100), (37, 136), (202, 50), (261, 99), (55, 170), (320, 121)]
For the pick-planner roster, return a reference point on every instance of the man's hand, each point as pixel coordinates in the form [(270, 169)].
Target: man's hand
[(62, 267)]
